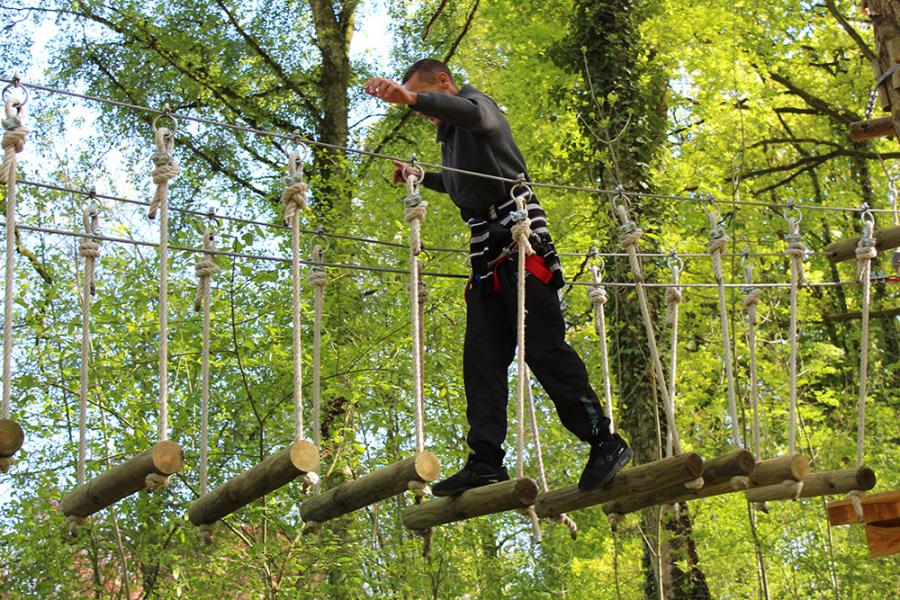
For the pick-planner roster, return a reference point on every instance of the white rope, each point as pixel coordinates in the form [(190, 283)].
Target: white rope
[(14, 135), (718, 242), (521, 232), (415, 212), (318, 277), (796, 250), (865, 253), (673, 299), (204, 270), (542, 472), (629, 236), (895, 217), (750, 303), (89, 249), (598, 296), (294, 199), (165, 168)]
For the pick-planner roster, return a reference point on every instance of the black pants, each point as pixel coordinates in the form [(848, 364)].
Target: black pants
[(489, 349)]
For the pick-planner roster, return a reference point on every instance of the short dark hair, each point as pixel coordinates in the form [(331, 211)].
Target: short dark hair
[(427, 69)]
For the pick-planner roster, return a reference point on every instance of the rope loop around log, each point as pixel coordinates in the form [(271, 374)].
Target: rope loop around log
[(156, 482)]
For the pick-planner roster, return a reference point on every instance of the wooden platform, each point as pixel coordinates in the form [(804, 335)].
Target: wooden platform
[(881, 516), (274, 472), (389, 481), (165, 458), (641, 479), (885, 239), (489, 499)]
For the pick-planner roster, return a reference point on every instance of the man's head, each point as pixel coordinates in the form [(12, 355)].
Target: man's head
[(430, 75)]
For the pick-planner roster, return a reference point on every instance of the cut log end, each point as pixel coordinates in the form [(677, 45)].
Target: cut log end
[(11, 437), (861, 131), (168, 457), (305, 456), (428, 467)]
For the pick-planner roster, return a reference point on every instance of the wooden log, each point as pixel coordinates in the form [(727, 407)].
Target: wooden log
[(889, 313), (716, 472), (778, 469), (383, 483), (165, 458), (822, 483), (876, 507), (885, 239), (883, 538), (11, 439), (671, 471), (860, 131), (485, 500), (276, 471)]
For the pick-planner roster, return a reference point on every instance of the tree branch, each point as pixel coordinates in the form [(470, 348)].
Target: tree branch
[(847, 27), (839, 115)]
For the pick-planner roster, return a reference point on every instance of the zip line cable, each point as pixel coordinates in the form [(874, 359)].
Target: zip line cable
[(297, 138)]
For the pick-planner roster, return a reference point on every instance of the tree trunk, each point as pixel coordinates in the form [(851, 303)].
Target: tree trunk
[(626, 89), (885, 17)]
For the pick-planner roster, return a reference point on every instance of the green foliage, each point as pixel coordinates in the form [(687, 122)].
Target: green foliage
[(718, 83)]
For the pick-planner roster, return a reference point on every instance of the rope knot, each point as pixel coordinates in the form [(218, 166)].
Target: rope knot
[(751, 297), (165, 167), (630, 234), (598, 294), (14, 136), (88, 247), (673, 298), (317, 276), (855, 497), (865, 253), (694, 484), (415, 212), (419, 489), (293, 197), (521, 233), (615, 519), (155, 482), (206, 532)]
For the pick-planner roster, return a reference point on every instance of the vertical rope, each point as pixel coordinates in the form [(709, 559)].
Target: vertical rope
[(204, 270), (629, 236), (865, 253), (521, 234), (89, 248), (165, 168), (422, 292), (414, 214), (539, 459), (673, 299), (718, 242), (598, 296), (14, 135), (796, 250), (294, 199), (750, 303), (318, 277), (895, 217)]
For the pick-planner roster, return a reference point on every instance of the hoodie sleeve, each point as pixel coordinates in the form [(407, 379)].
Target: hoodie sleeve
[(478, 114), (434, 181)]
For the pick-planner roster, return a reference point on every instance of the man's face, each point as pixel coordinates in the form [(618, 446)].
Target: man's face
[(417, 84)]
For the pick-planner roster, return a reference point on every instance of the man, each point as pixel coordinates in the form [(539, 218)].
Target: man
[(475, 136)]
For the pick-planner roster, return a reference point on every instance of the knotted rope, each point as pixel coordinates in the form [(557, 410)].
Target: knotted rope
[(865, 253), (294, 199), (318, 278), (89, 249), (415, 211), (521, 232), (165, 168), (750, 303), (718, 243), (14, 135), (895, 216), (598, 296), (796, 250), (673, 299), (629, 236)]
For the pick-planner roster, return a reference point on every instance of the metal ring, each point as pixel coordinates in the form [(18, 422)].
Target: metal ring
[(797, 212), (867, 216), (165, 115), (520, 183), (675, 260), (13, 86), (620, 195), (321, 239), (418, 178)]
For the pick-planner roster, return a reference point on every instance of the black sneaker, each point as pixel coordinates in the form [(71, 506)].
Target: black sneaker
[(474, 474), (606, 459)]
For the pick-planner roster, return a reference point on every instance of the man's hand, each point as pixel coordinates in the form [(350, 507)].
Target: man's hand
[(403, 170), (389, 91)]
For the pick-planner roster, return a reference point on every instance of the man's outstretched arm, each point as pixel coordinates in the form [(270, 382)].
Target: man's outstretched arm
[(474, 114)]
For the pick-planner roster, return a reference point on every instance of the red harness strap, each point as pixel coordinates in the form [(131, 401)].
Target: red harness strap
[(534, 264)]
